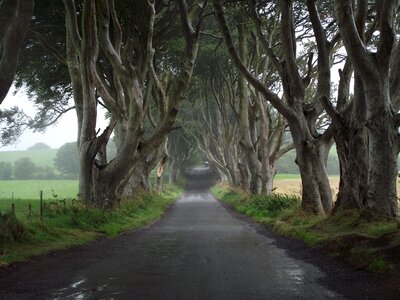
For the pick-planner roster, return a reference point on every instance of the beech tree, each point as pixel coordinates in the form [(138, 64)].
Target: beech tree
[(241, 135), (180, 147), (127, 84), (379, 79), (66, 160), (301, 114), (15, 16)]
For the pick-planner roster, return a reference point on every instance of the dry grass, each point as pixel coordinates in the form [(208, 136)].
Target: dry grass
[(293, 186)]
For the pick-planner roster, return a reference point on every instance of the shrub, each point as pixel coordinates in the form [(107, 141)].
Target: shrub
[(11, 230), (87, 219), (274, 204)]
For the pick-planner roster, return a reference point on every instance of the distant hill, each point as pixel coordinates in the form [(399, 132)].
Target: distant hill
[(39, 146), (40, 158)]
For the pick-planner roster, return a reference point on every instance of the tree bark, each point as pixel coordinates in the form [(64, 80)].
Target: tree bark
[(383, 153), (311, 148), (374, 70)]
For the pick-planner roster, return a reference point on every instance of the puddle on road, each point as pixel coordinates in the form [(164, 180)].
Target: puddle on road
[(297, 275), (78, 283), (78, 291)]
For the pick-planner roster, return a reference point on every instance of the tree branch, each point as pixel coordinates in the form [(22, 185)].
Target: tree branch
[(11, 41), (72, 23), (355, 47), (269, 95), (61, 59)]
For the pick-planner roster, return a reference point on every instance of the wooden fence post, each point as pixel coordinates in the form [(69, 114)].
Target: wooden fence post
[(30, 209), (13, 208), (41, 206)]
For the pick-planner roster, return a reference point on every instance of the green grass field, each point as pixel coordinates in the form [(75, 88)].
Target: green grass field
[(41, 158), (30, 189)]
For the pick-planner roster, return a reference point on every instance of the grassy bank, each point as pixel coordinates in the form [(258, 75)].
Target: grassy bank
[(23, 236), (373, 245)]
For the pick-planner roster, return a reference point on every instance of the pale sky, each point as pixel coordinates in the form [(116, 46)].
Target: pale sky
[(64, 131)]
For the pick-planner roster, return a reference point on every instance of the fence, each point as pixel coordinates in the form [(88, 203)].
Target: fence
[(31, 208)]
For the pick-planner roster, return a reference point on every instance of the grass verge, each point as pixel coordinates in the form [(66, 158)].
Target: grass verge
[(24, 236), (372, 245)]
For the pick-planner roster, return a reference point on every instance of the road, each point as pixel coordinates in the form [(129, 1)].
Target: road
[(199, 250)]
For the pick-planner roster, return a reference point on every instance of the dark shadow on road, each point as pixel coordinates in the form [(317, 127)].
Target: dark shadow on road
[(200, 179)]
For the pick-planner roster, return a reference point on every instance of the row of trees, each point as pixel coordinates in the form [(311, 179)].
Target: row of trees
[(65, 162), (277, 77), (110, 53), (23, 169), (263, 69)]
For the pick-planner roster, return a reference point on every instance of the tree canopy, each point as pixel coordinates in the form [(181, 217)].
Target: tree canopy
[(240, 82)]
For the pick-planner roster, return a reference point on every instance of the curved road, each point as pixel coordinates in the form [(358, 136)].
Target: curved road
[(199, 250)]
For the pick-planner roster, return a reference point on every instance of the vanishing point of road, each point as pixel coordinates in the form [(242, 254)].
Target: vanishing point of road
[(199, 250)]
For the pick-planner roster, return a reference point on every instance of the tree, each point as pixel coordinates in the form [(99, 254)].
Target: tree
[(300, 111), (24, 168), (379, 75), (46, 172), (6, 170), (180, 148), (15, 16), (13, 122), (67, 160), (120, 69)]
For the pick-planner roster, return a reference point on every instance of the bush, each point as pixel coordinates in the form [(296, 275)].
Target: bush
[(6, 170), (11, 230), (24, 168), (67, 160), (274, 203), (88, 219)]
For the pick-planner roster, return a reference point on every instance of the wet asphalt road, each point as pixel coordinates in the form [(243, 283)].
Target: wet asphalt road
[(199, 250)]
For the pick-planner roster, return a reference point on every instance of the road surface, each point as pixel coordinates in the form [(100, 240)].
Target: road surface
[(199, 250)]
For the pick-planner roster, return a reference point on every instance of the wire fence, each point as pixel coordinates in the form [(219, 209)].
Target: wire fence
[(23, 208)]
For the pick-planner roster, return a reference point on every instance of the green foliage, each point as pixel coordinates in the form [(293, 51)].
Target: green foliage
[(6, 170), (11, 230), (258, 206), (274, 204), (13, 121), (24, 168), (40, 158), (39, 164), (45, 173), (379, 265), (361, 242), (67, 160)]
